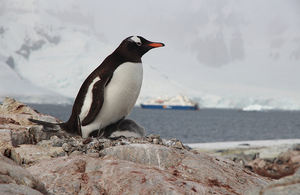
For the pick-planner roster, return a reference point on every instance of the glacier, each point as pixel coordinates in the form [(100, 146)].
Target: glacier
[(48, 48), (13, 85)]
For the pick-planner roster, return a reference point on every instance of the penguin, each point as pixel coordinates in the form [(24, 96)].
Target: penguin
[(109, 93), (124, 127)]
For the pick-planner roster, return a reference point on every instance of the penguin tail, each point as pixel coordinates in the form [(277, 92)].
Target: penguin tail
[(49, 127)]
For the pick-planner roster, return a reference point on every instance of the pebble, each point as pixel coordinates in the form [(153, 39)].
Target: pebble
[(74, 146), (67, 147), (155, 141), (76, 152), (177, 145), (57, 142), (167, 142)]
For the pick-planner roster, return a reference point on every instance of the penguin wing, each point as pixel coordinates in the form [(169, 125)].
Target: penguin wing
[(98, 98)]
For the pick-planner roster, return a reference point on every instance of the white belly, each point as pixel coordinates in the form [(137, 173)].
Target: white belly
[(120, 96)]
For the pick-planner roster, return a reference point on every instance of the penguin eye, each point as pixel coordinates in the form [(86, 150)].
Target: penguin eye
[(138, 43)]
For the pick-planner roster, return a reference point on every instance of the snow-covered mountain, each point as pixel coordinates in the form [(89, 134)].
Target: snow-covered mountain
[(48, 48), (22, 89)]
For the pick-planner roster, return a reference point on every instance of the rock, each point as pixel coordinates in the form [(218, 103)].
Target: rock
[(177, 144), (155, 141), (289, 156), (19, 113), (67, 147), (289, 185), (13, 137), (15, 129), (286, 164), (274, 159), (152, 136), (76, 152), (21, 136), (166, 142), (145, 169), (116, 166), (145, 154), (14, 118), (37, 133), (56, 142), (241, 158), (16, 180), (296, 147), (27, 154), (272, 153), (11, 105), (5, 141), (15, 189)]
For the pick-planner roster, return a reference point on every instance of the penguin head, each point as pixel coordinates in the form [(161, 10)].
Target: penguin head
[(136, 46)]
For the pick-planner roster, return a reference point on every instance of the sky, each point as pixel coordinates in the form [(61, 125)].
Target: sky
[(215, 46)]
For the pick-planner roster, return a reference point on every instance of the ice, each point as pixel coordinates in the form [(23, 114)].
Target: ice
[(243, 144), (254, 107)]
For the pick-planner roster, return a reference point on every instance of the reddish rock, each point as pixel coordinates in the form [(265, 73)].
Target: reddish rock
[(145, 169), (15, 129), (17, 113), (5, 140), (286, 164), (28, 154), (289, 185), (16, 180)]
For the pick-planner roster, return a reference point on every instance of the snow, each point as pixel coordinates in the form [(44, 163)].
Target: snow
[(55, 46), (179, 100), (57, 68), (254, 107), (23, 90), (243, 144)]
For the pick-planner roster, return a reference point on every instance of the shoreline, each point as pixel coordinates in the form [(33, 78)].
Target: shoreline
[(243, 144), (268, 150)]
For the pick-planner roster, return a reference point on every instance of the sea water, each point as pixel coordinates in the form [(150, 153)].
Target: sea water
[(206, 125)]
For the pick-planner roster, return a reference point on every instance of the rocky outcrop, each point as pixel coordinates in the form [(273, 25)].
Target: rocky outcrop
[(144, 169), (16, 180), (129, 166), (150, 165), (285, 164), (28, 154), (289, 185), (15, 129), (273, 159)]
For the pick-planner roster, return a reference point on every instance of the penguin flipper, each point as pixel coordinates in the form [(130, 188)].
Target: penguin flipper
[(98, 98)]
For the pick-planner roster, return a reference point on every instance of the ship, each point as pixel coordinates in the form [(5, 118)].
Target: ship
[(179, 102)]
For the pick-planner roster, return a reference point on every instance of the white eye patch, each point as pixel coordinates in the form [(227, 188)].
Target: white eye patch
[(137, 40)]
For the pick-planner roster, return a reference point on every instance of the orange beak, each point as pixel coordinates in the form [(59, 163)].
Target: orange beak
[(156, 45)]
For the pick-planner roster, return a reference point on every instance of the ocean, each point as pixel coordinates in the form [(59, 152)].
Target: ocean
[(206, 125)]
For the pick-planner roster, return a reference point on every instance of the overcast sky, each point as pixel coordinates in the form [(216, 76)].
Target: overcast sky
[(217, 46)]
